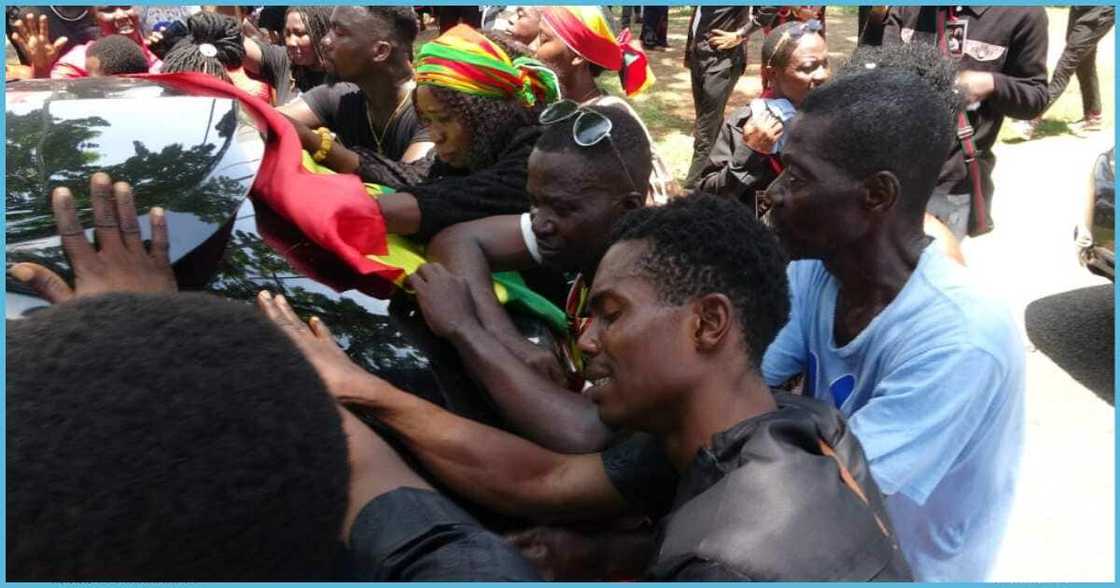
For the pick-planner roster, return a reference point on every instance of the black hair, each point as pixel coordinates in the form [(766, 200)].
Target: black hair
[(169, 437), (208, 28), (117, 54), (923, 59), (629, 138), (402, 25), (785, 51), (492, 122), (703, 244), (317, 22), (885, 119)]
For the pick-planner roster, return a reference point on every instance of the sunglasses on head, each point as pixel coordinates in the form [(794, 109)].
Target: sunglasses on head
[(795, 32), (589, 129)]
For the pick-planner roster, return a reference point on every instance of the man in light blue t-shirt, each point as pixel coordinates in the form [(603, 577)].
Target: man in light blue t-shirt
[(929, 371)]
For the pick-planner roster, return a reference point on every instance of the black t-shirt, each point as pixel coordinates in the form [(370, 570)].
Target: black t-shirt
[(276, 71), (342, 108)]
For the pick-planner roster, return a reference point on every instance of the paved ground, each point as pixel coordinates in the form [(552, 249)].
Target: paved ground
[(1063, 523)]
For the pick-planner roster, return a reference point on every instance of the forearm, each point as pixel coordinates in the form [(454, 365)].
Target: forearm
[(464, 256), (491, 467), (536, 407)]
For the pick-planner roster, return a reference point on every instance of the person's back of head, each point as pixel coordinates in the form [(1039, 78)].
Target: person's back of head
[(621, 163), (399, 25), (115, 54), (703, 244), (213, 45), (884, 119), (169, 437)]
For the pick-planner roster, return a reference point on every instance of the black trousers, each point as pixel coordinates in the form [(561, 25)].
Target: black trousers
[(655, 26), (1087, 25), (714, 75)]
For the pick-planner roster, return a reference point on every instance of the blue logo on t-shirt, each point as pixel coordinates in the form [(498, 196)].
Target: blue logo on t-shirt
[(840, 389)]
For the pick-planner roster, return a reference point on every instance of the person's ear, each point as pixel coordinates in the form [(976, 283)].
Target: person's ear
[(713, 319), (578, 61), (881, 191), (381, 51)]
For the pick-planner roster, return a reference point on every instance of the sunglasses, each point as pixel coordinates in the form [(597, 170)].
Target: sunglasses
[(590, 129), (795, 32)]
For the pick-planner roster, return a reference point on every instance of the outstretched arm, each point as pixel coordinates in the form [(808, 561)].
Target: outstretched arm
[(496, 469), (537, 407)]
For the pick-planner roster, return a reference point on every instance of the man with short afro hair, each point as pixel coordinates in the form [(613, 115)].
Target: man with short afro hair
[(115, 54), (747, 485)]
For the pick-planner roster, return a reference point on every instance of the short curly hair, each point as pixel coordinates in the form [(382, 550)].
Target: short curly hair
[(492, 122), (169, 437), (118, 54), (702, 244)]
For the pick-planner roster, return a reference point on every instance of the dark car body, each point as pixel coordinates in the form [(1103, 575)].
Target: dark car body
[(197, 156)]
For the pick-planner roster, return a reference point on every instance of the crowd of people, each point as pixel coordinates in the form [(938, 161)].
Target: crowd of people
[(778, 370)]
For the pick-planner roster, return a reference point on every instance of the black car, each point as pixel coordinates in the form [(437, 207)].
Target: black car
[(197, 156)]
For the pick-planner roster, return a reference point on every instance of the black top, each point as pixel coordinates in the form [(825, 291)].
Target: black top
[(733, 169), (342, 108), (417, 535), (276, 71), (724, 18), (1009, 42), (764, 503)]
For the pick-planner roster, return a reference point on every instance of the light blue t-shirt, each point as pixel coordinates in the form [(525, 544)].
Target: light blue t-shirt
[(933, 388)]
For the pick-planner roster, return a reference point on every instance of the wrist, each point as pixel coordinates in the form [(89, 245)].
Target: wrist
[(326, 143)]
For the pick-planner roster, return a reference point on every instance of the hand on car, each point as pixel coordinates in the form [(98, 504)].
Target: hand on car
[(444, 298), (724, 40), (762, 132), (35, 42), (120, 263), (318, 346)]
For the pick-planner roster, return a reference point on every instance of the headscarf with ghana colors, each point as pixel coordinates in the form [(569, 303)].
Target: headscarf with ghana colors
[(585, 31), (465, 61)]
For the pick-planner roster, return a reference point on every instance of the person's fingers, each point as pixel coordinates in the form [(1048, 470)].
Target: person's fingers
[(46, 283), (267, 303), (43, 28), (105, 225), (74, 242), (18, 40), (126, 216), (320, 328), (59, 43), (161, 245), (286, 310)]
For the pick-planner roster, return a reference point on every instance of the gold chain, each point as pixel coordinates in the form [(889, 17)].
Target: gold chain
[(388, 123)]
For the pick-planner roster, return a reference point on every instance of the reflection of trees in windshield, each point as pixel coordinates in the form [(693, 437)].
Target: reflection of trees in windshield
[(175, 177), (370, 339)]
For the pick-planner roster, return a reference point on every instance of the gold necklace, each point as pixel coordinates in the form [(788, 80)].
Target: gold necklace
[(388, 123)]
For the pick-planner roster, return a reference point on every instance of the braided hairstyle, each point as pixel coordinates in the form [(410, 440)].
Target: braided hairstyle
[(492, 122), (317, 22), (209, 33)]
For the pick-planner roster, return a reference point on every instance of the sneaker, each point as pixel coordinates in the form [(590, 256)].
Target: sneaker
[(1027, 128), (1087, 125)]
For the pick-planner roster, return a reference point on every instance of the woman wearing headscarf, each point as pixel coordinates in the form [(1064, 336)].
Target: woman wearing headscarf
[(578, 44), (298, 66), (480, 108)]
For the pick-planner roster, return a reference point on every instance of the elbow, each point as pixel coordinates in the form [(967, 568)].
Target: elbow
[(448, 241), (591, 436)]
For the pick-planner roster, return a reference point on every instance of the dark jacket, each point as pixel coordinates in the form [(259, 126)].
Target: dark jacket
[(1010, 42), (767, 502), (733, 169)]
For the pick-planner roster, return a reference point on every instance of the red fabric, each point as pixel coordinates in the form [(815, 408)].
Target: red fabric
[(333, 211)]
